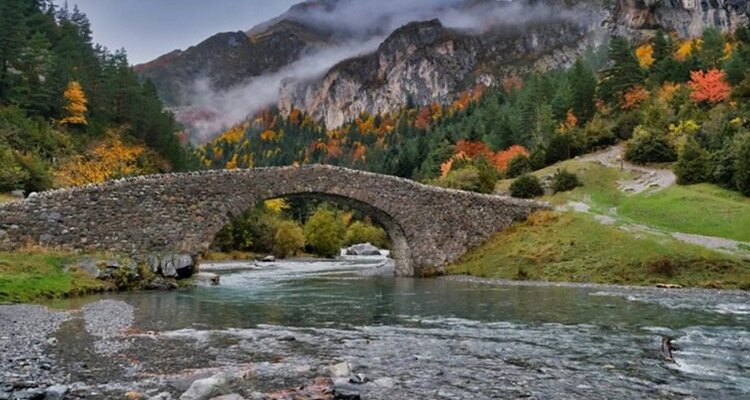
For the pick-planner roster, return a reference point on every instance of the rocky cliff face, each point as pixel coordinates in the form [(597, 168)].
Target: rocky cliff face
[(688, 18), (426, 61)]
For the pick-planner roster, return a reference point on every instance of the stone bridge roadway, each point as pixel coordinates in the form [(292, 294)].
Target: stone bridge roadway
[(429, 227)]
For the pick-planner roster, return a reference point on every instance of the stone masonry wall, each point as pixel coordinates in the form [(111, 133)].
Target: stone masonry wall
[(429, 227)]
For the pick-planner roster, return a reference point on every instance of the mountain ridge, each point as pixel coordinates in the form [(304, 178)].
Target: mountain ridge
[(527, 35)]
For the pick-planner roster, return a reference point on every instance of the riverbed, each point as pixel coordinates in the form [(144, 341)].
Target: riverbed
[(288, 324)]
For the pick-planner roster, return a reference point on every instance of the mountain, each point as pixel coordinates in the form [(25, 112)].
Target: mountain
[(335, 59)]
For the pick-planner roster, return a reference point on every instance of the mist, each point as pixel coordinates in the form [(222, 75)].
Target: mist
[(228, 107), (365, 24)]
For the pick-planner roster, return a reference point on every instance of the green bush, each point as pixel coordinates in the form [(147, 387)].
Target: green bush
[(324, 233), (526, 187), (518, 166), (12, 174), (722, 166), (289, 239), (564, 181), (742, 166), (646, 147), (692, 164), (538, 158), (363, 232), (466, 178)]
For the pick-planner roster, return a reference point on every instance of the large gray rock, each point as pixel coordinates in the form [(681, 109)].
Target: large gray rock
[(56, 392), (363, 249), (208, 388), (91, 267), (172, 265)]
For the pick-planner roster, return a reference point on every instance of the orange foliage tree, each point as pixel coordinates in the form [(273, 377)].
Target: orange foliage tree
[(502, 158), (709, 87), (633, 97)]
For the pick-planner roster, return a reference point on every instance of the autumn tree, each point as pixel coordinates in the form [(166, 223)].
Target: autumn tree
[(110, 159), (289, 239), (76, 105), (709, 86)]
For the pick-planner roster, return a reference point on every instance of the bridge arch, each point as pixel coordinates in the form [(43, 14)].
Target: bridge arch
[(429, 227)]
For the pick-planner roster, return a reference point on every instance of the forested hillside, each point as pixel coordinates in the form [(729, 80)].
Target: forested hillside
[(72, 112), (671, 100)]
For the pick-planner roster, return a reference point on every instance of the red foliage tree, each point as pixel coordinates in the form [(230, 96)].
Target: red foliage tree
[(709, 86)]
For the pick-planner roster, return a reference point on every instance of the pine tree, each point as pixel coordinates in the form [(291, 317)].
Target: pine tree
[(34, 92), (692, 164), (624, 73), (76, 105), (13, 32), (583, 89)]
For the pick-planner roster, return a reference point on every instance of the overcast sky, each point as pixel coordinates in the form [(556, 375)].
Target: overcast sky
[(150, 28)]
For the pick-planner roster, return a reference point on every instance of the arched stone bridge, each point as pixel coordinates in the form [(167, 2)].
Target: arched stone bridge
[(429, 227)]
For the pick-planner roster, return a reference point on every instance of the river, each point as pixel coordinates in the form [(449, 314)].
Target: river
[(420, 339)]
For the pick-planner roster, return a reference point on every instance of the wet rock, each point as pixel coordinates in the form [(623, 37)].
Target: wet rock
[(207, 279), (363, 249), (385, 382), (161, 396), (343, 369), (208, 388), (359, 379), (29, 394), (229, 397), (668, 286), (268, 259), (56, 392), (287, 338)]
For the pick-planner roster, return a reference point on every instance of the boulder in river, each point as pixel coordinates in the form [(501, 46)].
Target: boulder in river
[(207, 279), (363, 249), (268, 259)]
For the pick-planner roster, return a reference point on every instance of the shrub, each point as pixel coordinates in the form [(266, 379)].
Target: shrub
[(466, 178), (722, 166), (560, 148), (289, 239), (538, 158), (647, 147), (526, 187), (12, 175), (692, 164), (324, 233), (363, 232), (564, 181), (518, 166), (742, 165)]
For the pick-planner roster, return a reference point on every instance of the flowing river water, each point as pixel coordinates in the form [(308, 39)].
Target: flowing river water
[(419, 339)]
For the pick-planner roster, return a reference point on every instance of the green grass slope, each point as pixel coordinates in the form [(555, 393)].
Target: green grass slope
[(633, 247)]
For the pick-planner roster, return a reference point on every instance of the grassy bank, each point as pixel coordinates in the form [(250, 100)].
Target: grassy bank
[(703, 209), (37, 275), (633, 246), (574, 247)]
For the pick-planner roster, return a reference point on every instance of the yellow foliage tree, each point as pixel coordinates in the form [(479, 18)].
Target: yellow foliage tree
[(645, 55), (276, 206), (76, 105), (110, 159), (686, 48)]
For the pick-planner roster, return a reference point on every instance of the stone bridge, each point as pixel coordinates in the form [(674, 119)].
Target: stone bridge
[(429, 227)]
